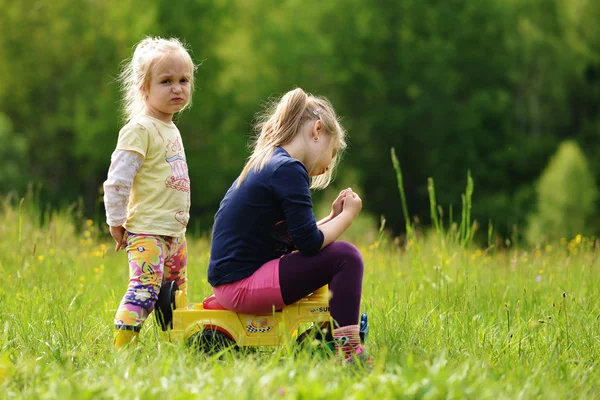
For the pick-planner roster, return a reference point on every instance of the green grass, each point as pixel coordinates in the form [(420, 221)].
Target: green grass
[(447, 321)]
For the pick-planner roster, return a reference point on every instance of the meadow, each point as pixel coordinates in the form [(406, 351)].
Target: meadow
[(448, 320)]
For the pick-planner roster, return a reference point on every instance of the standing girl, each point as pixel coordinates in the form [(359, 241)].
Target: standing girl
[(147, 192), (267, 213)]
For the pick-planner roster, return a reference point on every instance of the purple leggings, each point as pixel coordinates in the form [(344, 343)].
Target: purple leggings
[(340, 265), (288, 279)]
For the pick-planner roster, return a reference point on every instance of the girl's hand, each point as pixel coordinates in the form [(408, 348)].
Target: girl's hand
[(352, 203), (338, 205), (118, 232)]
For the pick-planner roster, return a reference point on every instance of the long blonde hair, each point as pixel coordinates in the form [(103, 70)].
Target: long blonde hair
[(135, 74), (282, 121)]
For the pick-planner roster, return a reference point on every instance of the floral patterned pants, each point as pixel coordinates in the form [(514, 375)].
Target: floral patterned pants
[(152, 259)]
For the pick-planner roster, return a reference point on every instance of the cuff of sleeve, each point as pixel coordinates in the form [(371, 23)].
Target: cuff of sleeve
[(115, 222)]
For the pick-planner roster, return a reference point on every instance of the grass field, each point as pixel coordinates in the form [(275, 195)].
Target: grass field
[(447, 321)]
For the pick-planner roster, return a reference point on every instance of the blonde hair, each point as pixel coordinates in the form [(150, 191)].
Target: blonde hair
[(136, 72), (282, 121)]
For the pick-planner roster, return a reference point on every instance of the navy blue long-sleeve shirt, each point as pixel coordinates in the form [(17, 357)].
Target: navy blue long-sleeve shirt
[(269, 215)]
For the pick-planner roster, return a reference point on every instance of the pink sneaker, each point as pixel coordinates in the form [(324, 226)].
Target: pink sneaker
[(360, 357)]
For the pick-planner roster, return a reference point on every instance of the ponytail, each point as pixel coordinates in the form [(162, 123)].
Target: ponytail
[(275, 127)]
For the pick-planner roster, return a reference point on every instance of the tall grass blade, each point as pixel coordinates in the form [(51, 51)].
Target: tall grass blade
[(408, 225)]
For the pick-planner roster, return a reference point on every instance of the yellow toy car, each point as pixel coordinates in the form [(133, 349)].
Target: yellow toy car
[(211, 327)]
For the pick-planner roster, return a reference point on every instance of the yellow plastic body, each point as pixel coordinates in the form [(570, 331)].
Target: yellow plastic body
[(271, 329)]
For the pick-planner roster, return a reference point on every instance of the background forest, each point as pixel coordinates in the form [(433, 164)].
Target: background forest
[(494, 87)]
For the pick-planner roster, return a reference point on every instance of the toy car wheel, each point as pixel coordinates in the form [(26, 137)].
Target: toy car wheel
[(317, 338), (211, 341), (165, 304)]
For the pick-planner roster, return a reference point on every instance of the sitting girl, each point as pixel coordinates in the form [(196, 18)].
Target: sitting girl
[(267, 213)]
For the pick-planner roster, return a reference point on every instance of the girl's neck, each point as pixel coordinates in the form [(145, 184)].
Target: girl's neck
[(296, 150), (159, 121), (166, 118)]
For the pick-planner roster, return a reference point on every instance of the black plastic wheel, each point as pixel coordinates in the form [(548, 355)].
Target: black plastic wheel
[(212, 341), (163, 310), (317, 338), (320, 337)]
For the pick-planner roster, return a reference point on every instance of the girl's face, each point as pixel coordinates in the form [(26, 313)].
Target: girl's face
[(169, 87), (321, 152)]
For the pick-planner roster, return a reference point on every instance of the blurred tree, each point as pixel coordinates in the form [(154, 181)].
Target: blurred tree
[(566, 195), (215, 128), (58, 65), (491, 96), (246, 59), (438, 93), (488, 86), (15, 173)]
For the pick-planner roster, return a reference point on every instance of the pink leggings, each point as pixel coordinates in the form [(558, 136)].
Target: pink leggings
[(285, 280)]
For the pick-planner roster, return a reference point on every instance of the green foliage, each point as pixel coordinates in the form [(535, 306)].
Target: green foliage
[(491, 87), (15, 167), (566, 196)]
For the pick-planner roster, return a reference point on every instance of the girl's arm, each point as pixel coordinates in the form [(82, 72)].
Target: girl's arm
[(117, 188), (324, 220)]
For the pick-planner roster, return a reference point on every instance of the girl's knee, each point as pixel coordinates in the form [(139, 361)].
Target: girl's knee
[(349, 253)]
